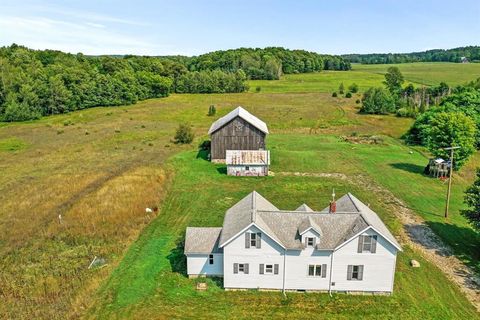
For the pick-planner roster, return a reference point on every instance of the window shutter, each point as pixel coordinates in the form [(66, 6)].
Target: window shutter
[(349, 272), (246, 268), (314, 241), (235, 268), (360, 244), (247, 240), (262, 268), (324, 270), (306, 241), (373, 248), (275, 268), (259, 240), (360, 272)]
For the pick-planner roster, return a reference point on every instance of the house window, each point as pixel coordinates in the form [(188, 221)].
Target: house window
[(210, 259), (269, 268), (310, 241), (253, 240), (240, 268), (315, 270), (355, 272), (247, 168), (367, 244)]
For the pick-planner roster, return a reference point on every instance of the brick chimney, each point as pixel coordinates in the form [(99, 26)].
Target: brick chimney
[(333, 203)]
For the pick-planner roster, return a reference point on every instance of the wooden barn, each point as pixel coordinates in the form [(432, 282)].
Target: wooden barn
[(248, 163), (238, 130)]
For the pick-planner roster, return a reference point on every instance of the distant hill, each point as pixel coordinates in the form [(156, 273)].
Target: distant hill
[(461, 54)]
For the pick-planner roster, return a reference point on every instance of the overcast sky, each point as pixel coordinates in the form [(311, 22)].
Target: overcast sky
[(195, 27)]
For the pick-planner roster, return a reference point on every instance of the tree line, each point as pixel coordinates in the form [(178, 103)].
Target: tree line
[(264, 64), (471, 53), (35, 83)]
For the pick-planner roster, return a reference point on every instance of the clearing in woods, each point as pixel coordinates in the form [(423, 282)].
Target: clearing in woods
[(100, 168)]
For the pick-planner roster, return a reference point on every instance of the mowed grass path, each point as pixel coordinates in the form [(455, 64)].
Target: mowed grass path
[(150, 282), (365, 76)]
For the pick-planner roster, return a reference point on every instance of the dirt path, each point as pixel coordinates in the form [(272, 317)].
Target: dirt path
[(418, 235)]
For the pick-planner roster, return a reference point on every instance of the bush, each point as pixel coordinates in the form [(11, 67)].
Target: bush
[(377, 101), (353, 88), (348, 95), (334, 94), (184, 134), (258, 89), (341, 88), (212, 110)]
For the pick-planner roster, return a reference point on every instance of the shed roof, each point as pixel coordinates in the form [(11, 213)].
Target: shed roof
[(242, 113), (247, 157), (202, 240)]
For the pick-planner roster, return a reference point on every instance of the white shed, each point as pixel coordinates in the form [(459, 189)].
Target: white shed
[(247, 162)]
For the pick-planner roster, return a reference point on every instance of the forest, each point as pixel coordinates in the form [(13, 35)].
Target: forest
[(472, 53), (35, 83)]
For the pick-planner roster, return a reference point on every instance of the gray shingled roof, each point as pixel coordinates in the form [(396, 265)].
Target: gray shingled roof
[(202, 240), (304, 208), (242, 214), (242, 113), (285, 227)]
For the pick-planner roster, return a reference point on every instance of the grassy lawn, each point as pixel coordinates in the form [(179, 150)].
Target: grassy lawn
[(365, 76), (150, 281)]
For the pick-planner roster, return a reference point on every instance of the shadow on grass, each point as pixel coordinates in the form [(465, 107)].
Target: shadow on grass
[(178, 260), (409, 167), (222, 170), (204, 150)]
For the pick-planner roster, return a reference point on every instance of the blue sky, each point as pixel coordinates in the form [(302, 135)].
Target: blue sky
[(195, 27)]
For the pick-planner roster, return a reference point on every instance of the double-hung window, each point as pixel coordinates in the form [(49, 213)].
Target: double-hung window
[(367, 244), (355, 272), (240, 268), (210, 259), (310, 241), (268, 268), (253, 240), (317, 270)]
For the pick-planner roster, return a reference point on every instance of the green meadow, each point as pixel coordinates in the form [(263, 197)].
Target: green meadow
[(365, 76)]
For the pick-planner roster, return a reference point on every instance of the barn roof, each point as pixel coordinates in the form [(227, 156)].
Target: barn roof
[(202, 240), (352, 216), (247, 157), (242, 113)]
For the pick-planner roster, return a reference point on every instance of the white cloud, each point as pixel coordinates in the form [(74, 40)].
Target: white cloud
[(87, 37)]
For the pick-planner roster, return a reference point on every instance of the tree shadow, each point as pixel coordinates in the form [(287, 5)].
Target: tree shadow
[(204, 150), (222, 170), (178, 260), (409, 167)]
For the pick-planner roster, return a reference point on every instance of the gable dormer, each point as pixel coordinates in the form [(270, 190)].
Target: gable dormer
[(309, 232)]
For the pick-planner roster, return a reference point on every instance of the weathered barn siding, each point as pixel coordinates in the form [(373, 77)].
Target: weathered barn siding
[(237, 134)]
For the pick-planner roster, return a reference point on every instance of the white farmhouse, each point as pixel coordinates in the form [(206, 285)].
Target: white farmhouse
[(345, 247)]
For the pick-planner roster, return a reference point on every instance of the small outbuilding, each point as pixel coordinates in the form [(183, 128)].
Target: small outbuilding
[(247, 162), (438, 168), (238, 130)]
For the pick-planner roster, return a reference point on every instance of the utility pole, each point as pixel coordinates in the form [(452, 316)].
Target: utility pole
[(450, 177)]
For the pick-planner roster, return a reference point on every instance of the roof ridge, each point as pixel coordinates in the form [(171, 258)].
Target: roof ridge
[(353, 201)]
